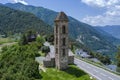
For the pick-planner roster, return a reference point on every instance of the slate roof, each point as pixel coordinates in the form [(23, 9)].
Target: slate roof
[(61, 17)]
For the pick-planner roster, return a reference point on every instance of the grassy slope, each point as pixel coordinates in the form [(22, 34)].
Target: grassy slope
[(72, 73), (6, 40)]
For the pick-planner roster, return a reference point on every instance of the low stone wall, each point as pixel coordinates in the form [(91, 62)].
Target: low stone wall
[(47, 63), (53, 62), (50, 63), (71, 60)]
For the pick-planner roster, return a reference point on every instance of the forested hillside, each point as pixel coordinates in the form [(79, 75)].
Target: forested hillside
[(14, 21), (114, 30), (84, 33)]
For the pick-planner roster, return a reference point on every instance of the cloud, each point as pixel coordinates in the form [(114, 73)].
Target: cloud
[(101, 3), (110, 17), (19, 1), (106, 19)]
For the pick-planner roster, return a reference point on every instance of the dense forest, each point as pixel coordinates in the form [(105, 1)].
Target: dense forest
[(14, 21), (16, 63)]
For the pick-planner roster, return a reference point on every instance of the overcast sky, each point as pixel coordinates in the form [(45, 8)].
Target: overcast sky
[(94, 12)]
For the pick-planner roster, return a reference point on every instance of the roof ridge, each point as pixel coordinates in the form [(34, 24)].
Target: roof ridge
[(61, 17)]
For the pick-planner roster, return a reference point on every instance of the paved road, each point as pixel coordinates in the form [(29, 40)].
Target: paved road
[(97, 72)]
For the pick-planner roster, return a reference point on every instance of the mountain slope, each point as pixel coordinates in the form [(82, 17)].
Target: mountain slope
[(82, 32), (114, 30), (14, 21), (108, 36)]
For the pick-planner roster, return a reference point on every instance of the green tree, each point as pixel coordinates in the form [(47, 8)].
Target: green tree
[(118, 60), (45, 49), (40, 39), (23, 40), (18, 63), (50, 38)]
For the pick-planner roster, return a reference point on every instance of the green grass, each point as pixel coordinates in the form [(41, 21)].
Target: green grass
[(5, 40), (41, 54), (0, 49), (72, 73)]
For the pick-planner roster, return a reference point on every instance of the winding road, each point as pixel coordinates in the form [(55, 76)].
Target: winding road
[(98, 73)]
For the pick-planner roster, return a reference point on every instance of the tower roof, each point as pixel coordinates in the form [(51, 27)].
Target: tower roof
[(61, 17)]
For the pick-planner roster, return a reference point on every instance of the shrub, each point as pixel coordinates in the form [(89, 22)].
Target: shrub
[(45, 49)]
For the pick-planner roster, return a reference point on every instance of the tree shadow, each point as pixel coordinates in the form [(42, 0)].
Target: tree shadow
[(40, 77), (75, 71)]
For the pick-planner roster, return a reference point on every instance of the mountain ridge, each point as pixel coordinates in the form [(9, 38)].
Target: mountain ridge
[(14, 21), (82, 32), (114, 30)]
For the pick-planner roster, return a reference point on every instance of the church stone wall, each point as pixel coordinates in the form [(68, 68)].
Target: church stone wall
[(71, 60), (61, 42), (50, 63)]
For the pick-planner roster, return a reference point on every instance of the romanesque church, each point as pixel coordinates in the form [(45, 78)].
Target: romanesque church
[(62, 56)]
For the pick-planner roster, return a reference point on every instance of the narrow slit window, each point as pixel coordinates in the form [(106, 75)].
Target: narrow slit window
[(56, 28), (56, 51), (64, 41), (63, 29), (56, 40), (63, 52)]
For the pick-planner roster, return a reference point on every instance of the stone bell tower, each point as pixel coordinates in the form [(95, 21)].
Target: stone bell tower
[(61, 41)]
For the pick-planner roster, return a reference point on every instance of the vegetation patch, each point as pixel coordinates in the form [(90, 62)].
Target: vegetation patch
[(18, 63), (6, 40), (72, 73), (14, 21)]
